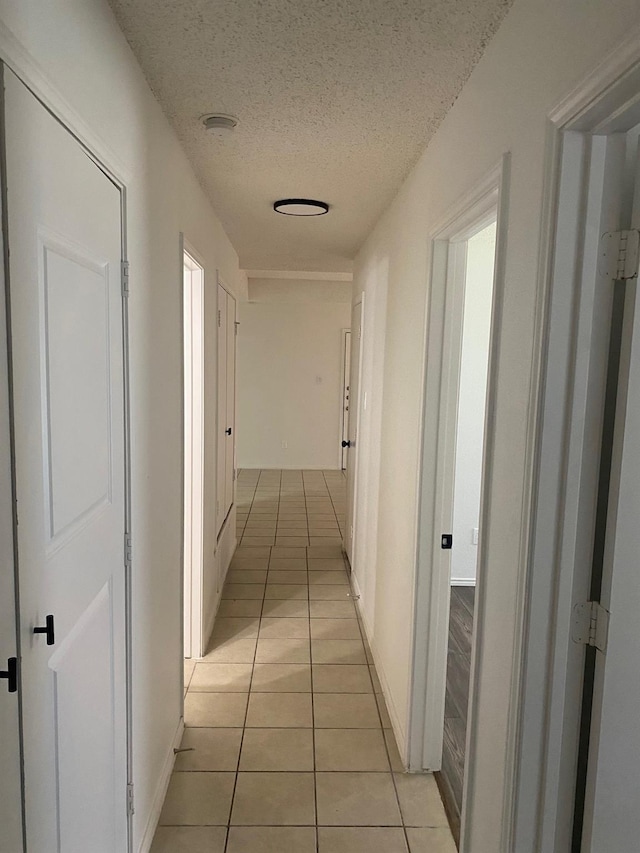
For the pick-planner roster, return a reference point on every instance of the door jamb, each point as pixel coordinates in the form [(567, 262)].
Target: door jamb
[(196, 476), (548, 719), (346, 343), (489, 200)]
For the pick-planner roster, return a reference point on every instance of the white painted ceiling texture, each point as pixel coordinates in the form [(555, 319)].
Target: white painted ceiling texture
[(336, 99)]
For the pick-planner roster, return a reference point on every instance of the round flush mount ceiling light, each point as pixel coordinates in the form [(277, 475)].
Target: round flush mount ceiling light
[(219, 122), (301, 207)]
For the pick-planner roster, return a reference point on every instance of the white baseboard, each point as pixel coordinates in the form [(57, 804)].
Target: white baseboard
[(161, 791), (398, 729), (463, 581), (334, 467)]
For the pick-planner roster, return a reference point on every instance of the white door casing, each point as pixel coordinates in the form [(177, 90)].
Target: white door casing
[(354, 393), (611, 813), (226, 404), (64, 226), (10, 787), (346, 379), (193, 316), (221, 416), (230, 431)]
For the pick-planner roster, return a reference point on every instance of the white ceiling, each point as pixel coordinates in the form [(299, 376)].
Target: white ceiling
[(336, 100)]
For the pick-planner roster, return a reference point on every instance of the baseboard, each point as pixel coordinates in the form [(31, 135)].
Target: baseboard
[(463, 581), (333, 467), (398, 730), (161, 791)]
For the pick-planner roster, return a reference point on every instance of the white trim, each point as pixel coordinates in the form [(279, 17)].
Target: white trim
[(549, 711), (354, 420), (193, 467), (21, 62), (431, 598), (344, 422), (161, 790), (300, 275), (462, 582)]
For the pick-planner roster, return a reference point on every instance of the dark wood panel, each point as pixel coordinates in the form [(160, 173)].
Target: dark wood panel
[(456, 702), (458, 675)]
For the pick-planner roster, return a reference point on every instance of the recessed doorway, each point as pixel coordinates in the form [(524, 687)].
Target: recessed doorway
[(193, 307)]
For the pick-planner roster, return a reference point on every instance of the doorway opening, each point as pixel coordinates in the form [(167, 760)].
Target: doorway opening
[(458, 416), (472, 259), (193, 337)]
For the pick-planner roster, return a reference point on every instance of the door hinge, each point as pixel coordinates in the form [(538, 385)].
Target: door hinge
[(590, 625), (620, 255), (127, 550), (130, 807), (219, 319), (124, 272)]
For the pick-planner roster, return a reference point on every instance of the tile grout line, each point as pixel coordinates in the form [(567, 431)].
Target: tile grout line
[(246, 712), (313, 710)]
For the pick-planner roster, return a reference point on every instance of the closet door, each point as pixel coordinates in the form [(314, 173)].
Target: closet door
[(221, 502), (230, 432)]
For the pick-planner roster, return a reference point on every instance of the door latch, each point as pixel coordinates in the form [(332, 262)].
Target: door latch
[(48, 629), (11, 674), (446, 541)]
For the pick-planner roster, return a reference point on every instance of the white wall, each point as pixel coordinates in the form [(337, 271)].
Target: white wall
[(290, 361), (472, 394), (543, 49), (77, 56)]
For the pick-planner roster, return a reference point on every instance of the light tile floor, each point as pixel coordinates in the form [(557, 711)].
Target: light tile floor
[(289, 744)]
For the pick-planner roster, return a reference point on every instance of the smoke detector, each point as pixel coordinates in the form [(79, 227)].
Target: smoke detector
[(219, 123)]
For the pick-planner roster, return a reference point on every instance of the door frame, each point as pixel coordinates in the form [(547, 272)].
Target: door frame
[(193, 463), (484, 204), (13, 57), (221, 283), (354, 419), (346, 352), (572, 348)]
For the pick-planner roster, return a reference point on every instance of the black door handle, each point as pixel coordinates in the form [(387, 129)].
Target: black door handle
[(346, 444), (11, 674), (47, 629), (228, 431)]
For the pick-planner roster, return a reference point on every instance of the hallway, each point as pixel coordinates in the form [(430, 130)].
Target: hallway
[(289, 745)]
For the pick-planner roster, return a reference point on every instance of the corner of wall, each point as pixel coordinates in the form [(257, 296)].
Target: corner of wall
[(161, 791)]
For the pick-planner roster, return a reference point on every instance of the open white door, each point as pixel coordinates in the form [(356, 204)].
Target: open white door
[(351, 442), (612, 816), (64, 225)]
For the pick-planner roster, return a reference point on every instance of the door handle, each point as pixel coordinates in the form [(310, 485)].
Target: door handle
[(11, 674), (48, 629), (346, 444), (228, 431)]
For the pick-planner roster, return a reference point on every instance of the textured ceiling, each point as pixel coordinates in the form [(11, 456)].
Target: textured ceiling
[(336, 101)]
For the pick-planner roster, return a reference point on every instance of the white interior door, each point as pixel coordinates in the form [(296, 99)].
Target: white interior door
[(10, 788), (221, 501), (612, 816), (346, 379), (230, 430), (67, 346), (354, 385)]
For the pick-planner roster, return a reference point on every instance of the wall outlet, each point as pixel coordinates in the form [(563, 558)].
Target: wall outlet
[(285, 445)]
